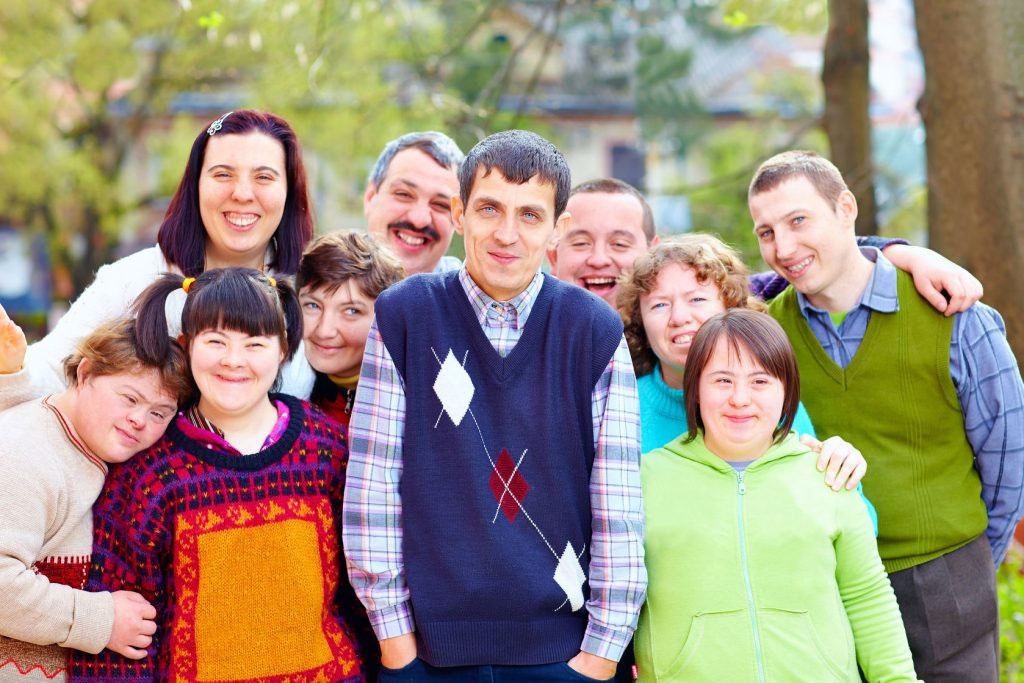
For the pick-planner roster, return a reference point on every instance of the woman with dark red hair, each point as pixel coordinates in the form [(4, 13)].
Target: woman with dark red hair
[(242, 201)]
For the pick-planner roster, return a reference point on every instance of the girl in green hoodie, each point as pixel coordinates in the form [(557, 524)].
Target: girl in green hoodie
[(757, 572)]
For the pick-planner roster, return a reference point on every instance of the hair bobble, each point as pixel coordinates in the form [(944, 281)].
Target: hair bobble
[(186, 284), (272, 281), (218, 124)]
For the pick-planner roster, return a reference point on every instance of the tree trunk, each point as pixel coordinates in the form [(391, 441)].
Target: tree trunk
[(973, 112), (847, 95)]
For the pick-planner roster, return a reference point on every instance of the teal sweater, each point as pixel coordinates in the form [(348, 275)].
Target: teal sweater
[(663, 418), (782, 580)]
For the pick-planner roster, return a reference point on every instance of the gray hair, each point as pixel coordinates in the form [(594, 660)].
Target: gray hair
[(437, 146)]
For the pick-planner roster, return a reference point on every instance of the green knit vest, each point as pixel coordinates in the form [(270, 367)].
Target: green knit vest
[(896, 402)]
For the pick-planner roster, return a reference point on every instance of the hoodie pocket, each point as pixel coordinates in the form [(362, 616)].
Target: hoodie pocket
[(716, 649), (793, 651)]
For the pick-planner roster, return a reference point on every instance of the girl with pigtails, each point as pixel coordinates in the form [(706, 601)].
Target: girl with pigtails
[(230, 524)]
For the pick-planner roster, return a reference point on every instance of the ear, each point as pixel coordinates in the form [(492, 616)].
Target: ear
[(368, 196), (458, 213), (562, 225), (846, 207), (654, 241), (84, 371), (552, 254)]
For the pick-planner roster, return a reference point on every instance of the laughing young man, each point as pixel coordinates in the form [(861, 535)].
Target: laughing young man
[(493, 518), (935, 403)]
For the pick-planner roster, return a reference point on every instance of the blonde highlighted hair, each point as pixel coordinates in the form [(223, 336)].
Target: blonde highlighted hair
[(711, 260)]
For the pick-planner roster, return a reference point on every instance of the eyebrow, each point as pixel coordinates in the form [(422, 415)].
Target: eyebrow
[(145, 399), (781, 220), (414, 185), (257, 169)]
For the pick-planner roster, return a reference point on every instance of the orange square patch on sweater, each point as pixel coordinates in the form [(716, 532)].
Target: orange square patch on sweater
[(255, 587)]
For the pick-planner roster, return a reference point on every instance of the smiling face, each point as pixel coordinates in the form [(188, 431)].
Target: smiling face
[(805, 240), (335, 326), (242, 193), (604, 238), (121, 414), (672, 312), (506, 227), (740, 404), (234, 371), (410, 210)]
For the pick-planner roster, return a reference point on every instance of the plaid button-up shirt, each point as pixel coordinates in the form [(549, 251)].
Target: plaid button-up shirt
[(373, 505)]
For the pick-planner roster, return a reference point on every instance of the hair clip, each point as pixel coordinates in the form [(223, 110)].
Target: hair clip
[(272, 281), (218, 124), (186, 284)]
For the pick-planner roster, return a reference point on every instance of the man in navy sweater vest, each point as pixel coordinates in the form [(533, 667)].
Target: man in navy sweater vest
[(493, 517)]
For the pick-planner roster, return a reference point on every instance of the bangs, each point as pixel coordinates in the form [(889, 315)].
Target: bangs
[(240, 303)]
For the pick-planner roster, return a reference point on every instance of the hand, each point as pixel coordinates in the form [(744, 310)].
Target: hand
[(12, 345), (593, 666), (934, 273), (398, 652), (845, 463), (133, 625)]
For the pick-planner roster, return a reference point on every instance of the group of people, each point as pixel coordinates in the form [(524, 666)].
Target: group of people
[(247, 454)]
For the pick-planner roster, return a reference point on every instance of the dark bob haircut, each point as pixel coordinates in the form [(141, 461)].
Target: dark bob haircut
[(241, 299), (182, 235), (519, 155), (745, 331)]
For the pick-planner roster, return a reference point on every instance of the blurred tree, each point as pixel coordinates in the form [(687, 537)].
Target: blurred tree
[(85, 83), (973, 111), (847, 95)]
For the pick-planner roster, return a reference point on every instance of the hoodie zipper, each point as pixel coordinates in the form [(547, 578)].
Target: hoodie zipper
[(741, 490)]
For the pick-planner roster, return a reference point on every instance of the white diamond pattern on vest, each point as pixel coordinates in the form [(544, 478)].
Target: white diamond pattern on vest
[(454, 388)]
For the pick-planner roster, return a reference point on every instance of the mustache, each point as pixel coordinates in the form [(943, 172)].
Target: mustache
[(426, 231)]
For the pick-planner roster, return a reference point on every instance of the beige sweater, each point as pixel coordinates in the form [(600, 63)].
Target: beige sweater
[(48, 484)]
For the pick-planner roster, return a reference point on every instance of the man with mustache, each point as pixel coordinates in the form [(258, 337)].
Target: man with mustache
[(407, 202)]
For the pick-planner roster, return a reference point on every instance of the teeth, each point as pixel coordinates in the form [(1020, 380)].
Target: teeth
[(799, 267), (241, 221), (410, 240), (599, 281)]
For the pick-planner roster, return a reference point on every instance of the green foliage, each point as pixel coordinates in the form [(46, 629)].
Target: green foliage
[(1010, 583), (796, 16)]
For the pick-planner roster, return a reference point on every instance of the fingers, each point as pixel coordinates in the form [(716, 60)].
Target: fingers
[(927, 289), (3, 314), (147, 628), (844, 474), (858, 474), (147, 611), (130, 652)]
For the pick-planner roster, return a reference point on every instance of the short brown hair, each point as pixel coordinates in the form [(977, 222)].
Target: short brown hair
[(821, 173), (763, 338), (113, 348), (711, 260), (333, 259), (616, 186)]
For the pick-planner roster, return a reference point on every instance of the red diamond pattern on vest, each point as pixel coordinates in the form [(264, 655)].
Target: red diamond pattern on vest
[(508, 486)]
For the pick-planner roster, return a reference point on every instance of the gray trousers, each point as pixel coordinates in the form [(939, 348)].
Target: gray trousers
[(951, 613)]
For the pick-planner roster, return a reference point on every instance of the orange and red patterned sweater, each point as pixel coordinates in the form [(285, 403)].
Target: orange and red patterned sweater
[(240, 555)]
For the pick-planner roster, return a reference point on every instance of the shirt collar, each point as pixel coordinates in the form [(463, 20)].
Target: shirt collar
[(513, 312), (879, 294)]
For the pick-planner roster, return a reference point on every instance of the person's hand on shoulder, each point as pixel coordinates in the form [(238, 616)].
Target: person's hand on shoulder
[(934, 274), (839, 460)]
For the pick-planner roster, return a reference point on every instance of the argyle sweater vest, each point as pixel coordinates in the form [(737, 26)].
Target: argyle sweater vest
[(497, 454), (896, 402)]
